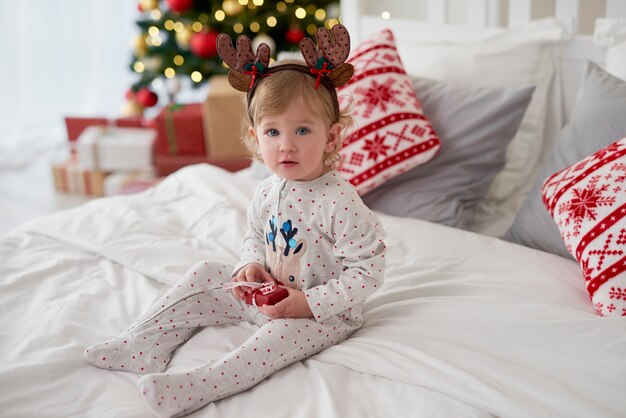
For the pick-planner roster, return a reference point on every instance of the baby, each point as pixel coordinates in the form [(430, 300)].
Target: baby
[(307, 228)]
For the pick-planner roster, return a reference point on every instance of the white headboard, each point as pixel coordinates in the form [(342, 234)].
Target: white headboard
[(436, 19)]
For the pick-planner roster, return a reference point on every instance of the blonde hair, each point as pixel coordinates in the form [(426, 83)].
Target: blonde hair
[(276, 92)]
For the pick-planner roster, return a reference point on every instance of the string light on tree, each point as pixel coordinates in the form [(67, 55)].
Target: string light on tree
[(263, 38), (147, 5), (183, 37), (176, 38), (232, 7)]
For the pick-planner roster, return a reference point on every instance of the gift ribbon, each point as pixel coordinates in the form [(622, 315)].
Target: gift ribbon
[(262, 288), (170, 130)]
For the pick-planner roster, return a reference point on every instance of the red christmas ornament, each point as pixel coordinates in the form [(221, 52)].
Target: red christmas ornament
[(179, 6), (203, 44), (294, 35), (146, 97)]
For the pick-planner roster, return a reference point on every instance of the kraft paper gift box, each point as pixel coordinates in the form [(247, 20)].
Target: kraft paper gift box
[(167, 164), (70, 177), (180, 130), (108, 148), (223, 112)]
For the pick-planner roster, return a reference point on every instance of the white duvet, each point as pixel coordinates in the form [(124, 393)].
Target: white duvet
[(465, 325)]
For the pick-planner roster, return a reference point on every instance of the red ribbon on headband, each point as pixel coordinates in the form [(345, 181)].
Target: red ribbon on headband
[(320, 73), (253, 73)]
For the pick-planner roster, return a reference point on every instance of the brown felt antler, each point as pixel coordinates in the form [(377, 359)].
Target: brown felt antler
[(325, 60), (244, 65), (330, 50)]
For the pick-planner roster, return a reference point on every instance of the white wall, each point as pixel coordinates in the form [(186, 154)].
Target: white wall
[(62, 57), (457, 9)]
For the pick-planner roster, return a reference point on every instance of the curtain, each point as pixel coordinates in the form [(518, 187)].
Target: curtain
[(58, 58)]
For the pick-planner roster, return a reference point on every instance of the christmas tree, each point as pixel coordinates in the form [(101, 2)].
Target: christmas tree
[(177, 37)]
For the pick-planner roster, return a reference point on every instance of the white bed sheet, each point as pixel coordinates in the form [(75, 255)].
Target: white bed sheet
[(465, 325)]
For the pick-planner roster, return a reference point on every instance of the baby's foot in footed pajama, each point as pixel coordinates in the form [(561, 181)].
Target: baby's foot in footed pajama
[(130, 353), (178, 394)]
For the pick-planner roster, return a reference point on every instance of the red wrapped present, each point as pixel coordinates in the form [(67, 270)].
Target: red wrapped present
[(167, 164), (76, 125), (180, 130), (270, 294), (69, 177), (130, 122)]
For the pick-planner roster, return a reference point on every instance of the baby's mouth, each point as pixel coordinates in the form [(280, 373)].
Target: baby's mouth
[(288, 163)]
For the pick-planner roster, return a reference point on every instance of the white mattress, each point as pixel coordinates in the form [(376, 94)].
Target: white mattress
[(465, 325)]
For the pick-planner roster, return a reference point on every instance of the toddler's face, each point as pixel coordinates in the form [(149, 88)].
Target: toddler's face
[(293, 143)]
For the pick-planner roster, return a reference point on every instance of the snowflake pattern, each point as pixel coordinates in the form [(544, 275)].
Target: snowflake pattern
[(376, 147), (378, 96), (584, 203)]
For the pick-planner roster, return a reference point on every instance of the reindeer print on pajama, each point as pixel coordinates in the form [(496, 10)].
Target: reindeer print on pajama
[(316, 236)]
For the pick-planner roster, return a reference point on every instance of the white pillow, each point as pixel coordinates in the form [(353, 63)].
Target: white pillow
[(611, 34), (523, 55)]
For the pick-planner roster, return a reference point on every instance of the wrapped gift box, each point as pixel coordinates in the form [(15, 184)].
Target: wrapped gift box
[(70, 177), (223, 112), (180, 130), (167, 164), (127, 183), (76, 125), (270, 294), (107, 148)]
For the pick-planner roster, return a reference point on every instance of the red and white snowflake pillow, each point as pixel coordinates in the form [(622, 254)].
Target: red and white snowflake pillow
[(588, 202), (390, 134)]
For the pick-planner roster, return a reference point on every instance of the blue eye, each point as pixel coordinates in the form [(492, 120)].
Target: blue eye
[(302, 131), (271, 132)]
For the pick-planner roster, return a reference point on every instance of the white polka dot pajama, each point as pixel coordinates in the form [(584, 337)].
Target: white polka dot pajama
[(314, 236), (146, 347)]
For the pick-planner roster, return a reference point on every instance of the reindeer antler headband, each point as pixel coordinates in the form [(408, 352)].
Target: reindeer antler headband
[(326, 63)]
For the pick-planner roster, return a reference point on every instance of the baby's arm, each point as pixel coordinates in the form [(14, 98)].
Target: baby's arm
[(359, 244)]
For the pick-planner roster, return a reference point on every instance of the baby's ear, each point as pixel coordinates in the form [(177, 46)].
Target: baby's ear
[(252, 133), (333, 137)]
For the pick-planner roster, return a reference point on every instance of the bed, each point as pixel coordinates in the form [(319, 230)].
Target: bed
[(469, 322)]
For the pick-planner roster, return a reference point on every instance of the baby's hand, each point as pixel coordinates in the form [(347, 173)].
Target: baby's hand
[(253, 272), (293, 306)]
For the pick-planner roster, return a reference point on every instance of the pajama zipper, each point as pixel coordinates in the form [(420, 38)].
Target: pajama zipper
[(167, 307), (225, 286), (279, 255)]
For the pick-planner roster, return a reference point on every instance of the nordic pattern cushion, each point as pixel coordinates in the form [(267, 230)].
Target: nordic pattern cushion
[(390, 134), (596, 120), (475, 126), (588, 203)]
